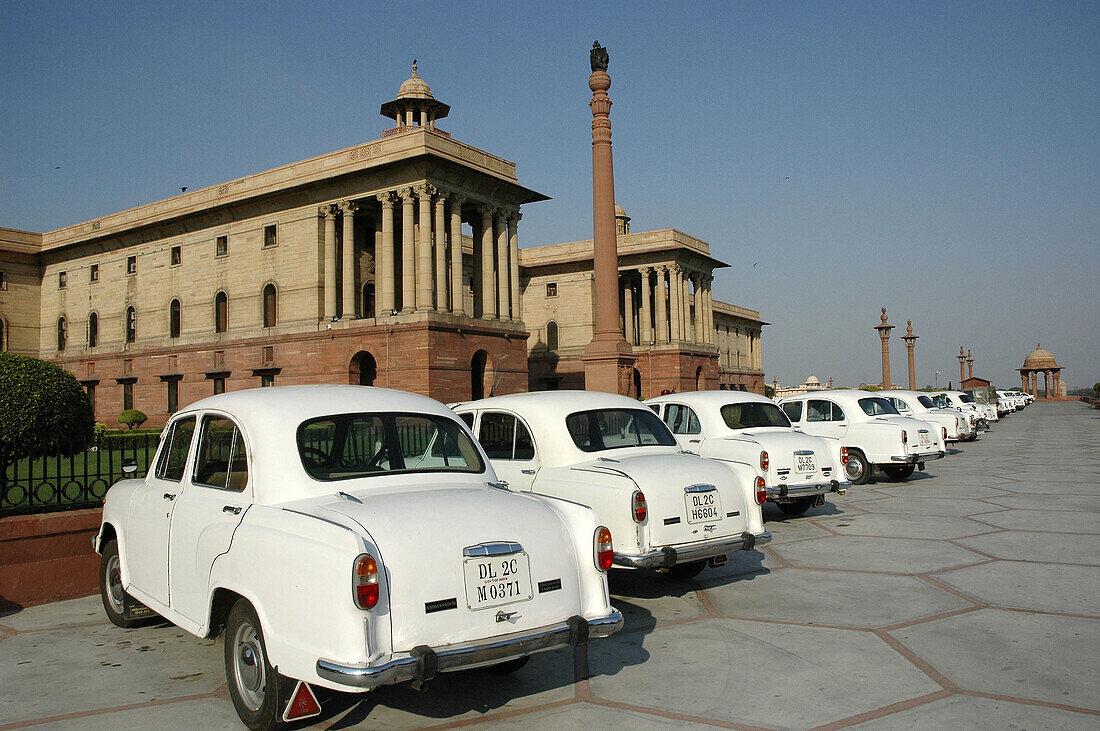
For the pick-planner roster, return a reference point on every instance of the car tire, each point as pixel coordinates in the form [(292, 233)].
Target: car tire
[(858, 469), (798, 506), (688, 570), (252, 682), (110, 587), (897, 472), (508, 666)]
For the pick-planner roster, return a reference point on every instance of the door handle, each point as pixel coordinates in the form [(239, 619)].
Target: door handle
[(231, 509), (528, 472), (168, 496)]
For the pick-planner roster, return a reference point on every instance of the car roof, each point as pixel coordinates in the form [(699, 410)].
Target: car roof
[(553, 403), (710, 398), (837, 394)]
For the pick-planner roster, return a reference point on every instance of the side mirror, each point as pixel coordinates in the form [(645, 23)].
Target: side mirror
[(129, 466)]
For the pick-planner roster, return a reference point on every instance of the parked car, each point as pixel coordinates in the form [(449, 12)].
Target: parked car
[(799, 470), (954, 427), (872, 430), (964, 402), (345, 537), (985, 398), (667, 509)]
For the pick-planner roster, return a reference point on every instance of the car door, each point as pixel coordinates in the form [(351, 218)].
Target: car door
[(825, 418), (508, 442), (216, 493), (151, 508), (683, 422)]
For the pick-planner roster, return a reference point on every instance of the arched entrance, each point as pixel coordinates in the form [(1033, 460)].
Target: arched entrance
[(700, 381), (368, 300), (363, 370), (481, 375), (637, 380)]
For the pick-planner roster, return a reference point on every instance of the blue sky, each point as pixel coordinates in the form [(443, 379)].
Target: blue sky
[(940, 159)]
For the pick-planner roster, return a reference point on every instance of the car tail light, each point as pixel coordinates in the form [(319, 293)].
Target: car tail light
[(761, 491), (844, 455), (638, 506), (764, 461), (904, 437), (601, 549), (945, 433), (365, 582)]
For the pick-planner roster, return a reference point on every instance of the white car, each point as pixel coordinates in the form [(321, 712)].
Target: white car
[(954, 427), (871, 429), (345, 537), (964, 402), (666, 509), (798, 469)]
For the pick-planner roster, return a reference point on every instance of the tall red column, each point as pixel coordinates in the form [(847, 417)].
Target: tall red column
[(911, 342), (608, 359), (962, 366), (884, 333)]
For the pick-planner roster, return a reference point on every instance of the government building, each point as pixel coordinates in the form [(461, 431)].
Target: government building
[(392, 263)]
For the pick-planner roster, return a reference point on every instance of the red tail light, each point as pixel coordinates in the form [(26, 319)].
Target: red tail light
[(844, 455), (638, 505), (365, 582), (904, 437), (761, 491), (944, 429), (764, 462), (601, 549)]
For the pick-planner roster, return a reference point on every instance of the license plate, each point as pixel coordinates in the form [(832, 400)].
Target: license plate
[(495, 580), (804, 463), (703, 507), (925, 440)]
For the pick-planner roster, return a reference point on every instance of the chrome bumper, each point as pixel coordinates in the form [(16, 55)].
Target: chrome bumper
[(915, 458), (423, 662), (789, 492), (668, 556)]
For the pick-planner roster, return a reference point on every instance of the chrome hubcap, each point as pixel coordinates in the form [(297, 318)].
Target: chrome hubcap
[(114, 585), (248, 666), (854, 468)]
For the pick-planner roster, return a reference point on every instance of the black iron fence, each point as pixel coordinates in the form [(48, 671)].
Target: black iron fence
[(49, 483)]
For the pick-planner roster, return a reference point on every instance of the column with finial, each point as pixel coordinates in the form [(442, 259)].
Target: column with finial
[(884, 334), (329, 213), (969, 364), (910, 342), (962, 365)]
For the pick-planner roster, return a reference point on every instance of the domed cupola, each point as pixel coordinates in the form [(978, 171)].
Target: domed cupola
[(415, 105)]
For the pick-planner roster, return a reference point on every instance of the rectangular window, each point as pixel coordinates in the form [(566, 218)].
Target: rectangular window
[(219, 386), (173, 396), (221, 461), (90, 388), (173, 452), (131, 265), (551, 289), (819, 411), (127, 396), (269, 236), (222, 246), (62, 280), (94, 273), (177, 255), (3, 282), (268, 379), (793, 410)]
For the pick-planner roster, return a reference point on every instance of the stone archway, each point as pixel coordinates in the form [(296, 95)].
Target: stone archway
[(481, 375), (636, 380), (700, 379), (363, 370)]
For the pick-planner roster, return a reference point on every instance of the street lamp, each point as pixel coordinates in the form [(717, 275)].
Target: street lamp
[(937, 380)]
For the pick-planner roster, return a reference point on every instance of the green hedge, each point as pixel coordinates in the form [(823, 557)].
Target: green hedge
[(43, 410)]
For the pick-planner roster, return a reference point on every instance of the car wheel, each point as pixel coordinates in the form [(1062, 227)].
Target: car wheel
[(857, 470), (897, 472), (110, 588), (798, 506), (508, 666), (251, 679), (688, 570)]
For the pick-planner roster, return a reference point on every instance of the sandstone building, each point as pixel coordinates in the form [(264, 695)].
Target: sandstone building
[(394, 263)]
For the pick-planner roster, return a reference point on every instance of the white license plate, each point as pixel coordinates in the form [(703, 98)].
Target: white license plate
[(495, 580), (703, 507), (804, 463), (925, 440)]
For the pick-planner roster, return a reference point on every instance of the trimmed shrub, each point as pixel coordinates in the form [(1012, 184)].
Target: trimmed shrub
[(43, 410), (132, 418)]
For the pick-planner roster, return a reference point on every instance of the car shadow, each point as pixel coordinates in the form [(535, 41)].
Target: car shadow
[(772, 513)]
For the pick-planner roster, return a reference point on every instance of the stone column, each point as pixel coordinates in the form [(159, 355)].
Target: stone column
[(676, 321), (709, 294), (685, 299), (910, 342), (962, 366), (660, 296), (488, 288), (884, 334), (424, 250), (442, 301), (384, 259), (970, 363), (700, 326), (645, 323), (504, 289), (1034, 378), (349, 210), (1057, 383), (513, 261), (329, 212), (458, 299), (1023, 382), (628, 311), (1046, 382), (408, 257)]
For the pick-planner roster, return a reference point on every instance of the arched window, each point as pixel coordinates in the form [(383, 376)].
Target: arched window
[(271, 306), (368, 300), (552, 335), (221, 312), (175, 319), (364, 369), (93, 330), (700, 380), (131, 324), (62, 333), (478, 372)]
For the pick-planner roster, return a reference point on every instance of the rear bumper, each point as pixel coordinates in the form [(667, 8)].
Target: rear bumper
[(915, 458), (668, 556), (423, 662), (789, 492)]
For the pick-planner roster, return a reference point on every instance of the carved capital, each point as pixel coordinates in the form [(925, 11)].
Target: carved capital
[(386, 199), (456, 199), (328, 210), (348, 206), (486, 210), (426, 190), (405, 194), (646, 271), (514, 216)]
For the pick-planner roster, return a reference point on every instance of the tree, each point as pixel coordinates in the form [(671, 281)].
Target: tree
[(1096, 388), (132, 418), (769, 391)]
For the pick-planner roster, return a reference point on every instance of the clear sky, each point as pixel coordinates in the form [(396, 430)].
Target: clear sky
[(940, 159)]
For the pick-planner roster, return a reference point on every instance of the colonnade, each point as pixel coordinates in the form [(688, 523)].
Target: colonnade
[(661, 305), (1029, 380), (417, 234)]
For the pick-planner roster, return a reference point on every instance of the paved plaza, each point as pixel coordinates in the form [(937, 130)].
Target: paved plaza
[(967, 597)]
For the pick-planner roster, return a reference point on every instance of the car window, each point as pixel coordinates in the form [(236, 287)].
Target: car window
[(173, 455), (503, 436), (877, 406), (525, 446), (793, 410), (940, 401), (346, 446), (926, 402), (966, 398), (751, 414), (594, 431), (838, 413), (222, 461), (898, 404), (819, 410), (682, 420), (469, 419)]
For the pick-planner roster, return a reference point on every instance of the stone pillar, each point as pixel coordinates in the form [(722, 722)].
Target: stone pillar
[(1046, 383), (513, 261), (884, 334), (1023, 382), (910, 342), (645, 324), (1034, 389), (442, 301), (660, 296), (962, 366), (504, 289), (970, 364), (384, 259), (329, 212), (488, 283), (458, 299), (408, 257), (349, 210), (685, 311), (424, 250), (708, 310), (628, 311), (700, 326), (674, 290), (1057, 383)]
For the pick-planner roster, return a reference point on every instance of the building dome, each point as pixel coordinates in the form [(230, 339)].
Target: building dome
[(813, 380), (415, 87), (1040, 358), (415, 105)]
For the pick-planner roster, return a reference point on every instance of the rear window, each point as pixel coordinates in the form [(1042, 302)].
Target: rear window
[(966, 398), (347, 446), (793, 410), (877, 406), (926, 402), (600, 429), (753, 414)]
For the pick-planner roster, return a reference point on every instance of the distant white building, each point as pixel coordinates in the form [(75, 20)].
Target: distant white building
[(812, 384)]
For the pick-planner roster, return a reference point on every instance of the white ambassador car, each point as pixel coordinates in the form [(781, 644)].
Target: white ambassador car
[(954, 427), (798, 469), (666, 509), (964, 402), (870, 428), (345, 537)]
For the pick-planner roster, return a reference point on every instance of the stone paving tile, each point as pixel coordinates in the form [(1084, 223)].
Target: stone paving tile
[(1058, 521), (1074, 503), (928, 506), (647, 598), (586, 716), (71, 613), (217, 714), (1041, 657), (829, 597), (1035, 546), (946, 489), (1047, 587), (823, 674), (960, 712), (863, 553), (792, 529), (905, 526)]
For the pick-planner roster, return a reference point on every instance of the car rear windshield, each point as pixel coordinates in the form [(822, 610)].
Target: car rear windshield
[(966, 398), (600, 429), (348, 446), (926, 402), (877, 406), (752, 414)]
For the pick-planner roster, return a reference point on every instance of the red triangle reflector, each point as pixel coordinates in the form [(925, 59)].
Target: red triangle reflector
[(303, 704)]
